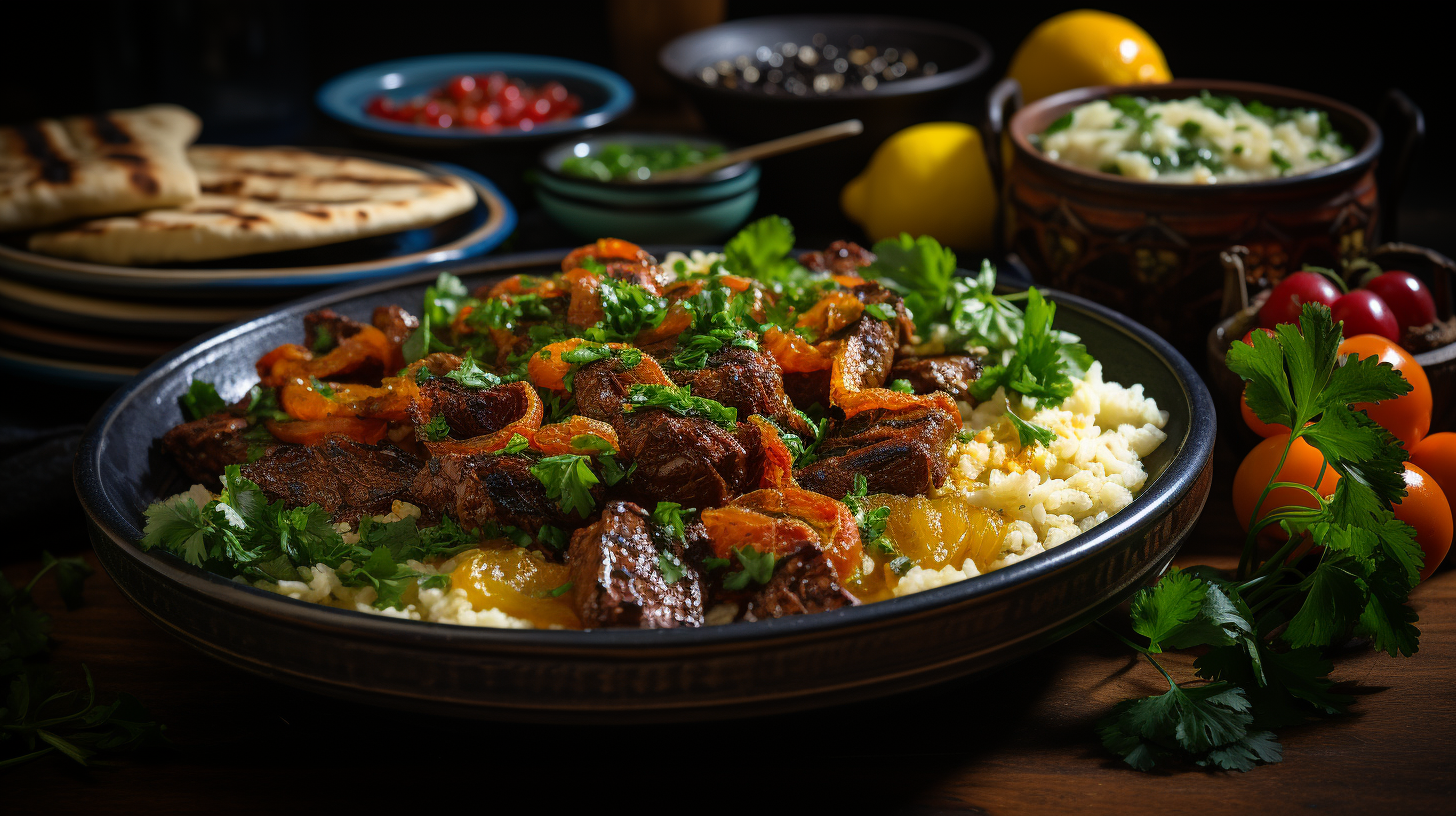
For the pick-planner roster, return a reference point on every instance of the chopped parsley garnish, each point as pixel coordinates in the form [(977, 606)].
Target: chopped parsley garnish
[(553, 537), (628, 309), (202, 400), (444, 299), (263, 404), (612, 470), (568, 479), (760, 251), (900, 565), (670, 566), (323, 388), (871, 522), (1043, 363), (591, 443), (1061, 123), (758, 568), (880, 311), (680, 401), (517, 444), (436, 429), (1280, 162), (323, 339), (471, 375), (668, 515), (1263, 629), (561, 590), (1029, 432), (902, 386)]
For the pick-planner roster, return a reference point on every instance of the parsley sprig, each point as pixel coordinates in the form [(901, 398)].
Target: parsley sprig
[(1266, 626), (680, 400)]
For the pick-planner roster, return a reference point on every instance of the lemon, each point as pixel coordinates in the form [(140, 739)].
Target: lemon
[(1082, 48), (928, 179)]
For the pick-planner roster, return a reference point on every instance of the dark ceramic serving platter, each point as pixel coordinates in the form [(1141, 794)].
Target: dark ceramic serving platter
[(628, 675)]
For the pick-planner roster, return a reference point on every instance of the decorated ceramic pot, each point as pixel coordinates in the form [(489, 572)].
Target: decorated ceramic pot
[(1151, 249)]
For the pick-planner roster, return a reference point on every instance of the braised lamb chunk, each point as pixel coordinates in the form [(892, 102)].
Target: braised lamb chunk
[(470, 412), (803, 583), (477, 489), (204, 447), (345, 478), (601, 387), (396, 323), (324, 328), (897, 451), (687, 460), (617, 580), (841, 258), (747, 380), (951, 373)]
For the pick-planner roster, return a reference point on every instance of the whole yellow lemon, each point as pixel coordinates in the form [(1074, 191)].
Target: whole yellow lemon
[(928, 179), (1081, 48)]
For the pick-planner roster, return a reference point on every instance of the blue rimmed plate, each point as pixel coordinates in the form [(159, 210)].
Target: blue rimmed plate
[(282, 274), (605, 95)]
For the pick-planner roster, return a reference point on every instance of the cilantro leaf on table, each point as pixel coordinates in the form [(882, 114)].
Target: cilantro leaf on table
[(1161, 611), (568, 479), (202, 400)]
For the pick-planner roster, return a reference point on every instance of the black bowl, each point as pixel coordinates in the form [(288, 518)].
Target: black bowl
[(629, 675), (812, 179)]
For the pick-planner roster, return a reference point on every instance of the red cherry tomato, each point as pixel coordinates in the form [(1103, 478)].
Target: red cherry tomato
[(1365, 313), (1408, 416), (460, 87), (556, 92), (1426, 508), (1409, 299), (510, 92), (1292, 293)]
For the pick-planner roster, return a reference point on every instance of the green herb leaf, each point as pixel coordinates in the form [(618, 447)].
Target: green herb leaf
[(517, 444), (1030, 432), (568, 479), (758, 568), (436, 429), (669, 515), (1163, 609), (471, 375), (680, 401), (1043, 363), (902, 386), (671, 568), (202, 400)]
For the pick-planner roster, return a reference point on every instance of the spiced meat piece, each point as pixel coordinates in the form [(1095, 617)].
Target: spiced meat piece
[(617, 580), (601, 387), (470, 412), (951, 373), (478, 489), (897, 451), (748, 381), (347, 479), (803, 583), (841, 258), (323, 329), (687, 460), (204, 447), (396, 323)]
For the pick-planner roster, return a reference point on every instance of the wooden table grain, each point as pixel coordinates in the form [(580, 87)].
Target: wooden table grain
[(1018, 741)]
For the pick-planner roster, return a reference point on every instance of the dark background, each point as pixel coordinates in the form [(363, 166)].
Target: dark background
[(250, 70)]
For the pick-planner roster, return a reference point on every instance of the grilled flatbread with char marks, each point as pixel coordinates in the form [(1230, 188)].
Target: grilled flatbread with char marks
[(267, 200), (118, 162)]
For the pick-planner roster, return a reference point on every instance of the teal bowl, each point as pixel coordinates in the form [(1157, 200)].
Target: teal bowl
[(703, 210)]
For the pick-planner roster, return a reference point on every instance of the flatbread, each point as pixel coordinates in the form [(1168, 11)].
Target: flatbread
[(267, 200), (123, 161)]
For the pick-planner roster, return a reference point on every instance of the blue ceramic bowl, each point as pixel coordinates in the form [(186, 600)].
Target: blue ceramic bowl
[(698, 211), (605, 95)]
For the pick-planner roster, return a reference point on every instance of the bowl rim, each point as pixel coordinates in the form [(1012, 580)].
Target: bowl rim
[(1019, 130), (331, 96), (679, 49), (1192, 455), (642, 137)]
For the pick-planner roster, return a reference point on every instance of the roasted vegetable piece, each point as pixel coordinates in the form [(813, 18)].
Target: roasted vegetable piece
[(574, 435), (315, 431), (832, 524)]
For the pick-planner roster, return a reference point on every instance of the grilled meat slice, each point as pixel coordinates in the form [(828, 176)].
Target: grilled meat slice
[(470, 412), (347, 479), (687, 460), (601, 387), (951, 373), (480, 488), (841, 258), (808, 388), (900, 451), (616, 578), (803, 583), (747, 380), (324, 328), (204, 447)]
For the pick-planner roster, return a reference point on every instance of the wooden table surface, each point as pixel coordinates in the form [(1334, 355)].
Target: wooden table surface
[(1018, 741)]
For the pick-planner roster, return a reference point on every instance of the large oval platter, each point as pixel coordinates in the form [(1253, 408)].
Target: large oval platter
[(629, 675), (467, 235)]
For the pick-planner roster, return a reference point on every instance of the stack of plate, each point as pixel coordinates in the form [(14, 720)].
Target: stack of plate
[(98, 325)]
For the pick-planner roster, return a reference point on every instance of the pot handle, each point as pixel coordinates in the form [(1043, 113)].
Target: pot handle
[(1405, 127), (1006, 94)]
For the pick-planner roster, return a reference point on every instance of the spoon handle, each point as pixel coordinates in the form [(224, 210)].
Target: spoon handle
[(763, 150)]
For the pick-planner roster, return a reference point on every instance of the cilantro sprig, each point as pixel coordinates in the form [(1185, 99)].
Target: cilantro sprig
[(1042, 364), (680, 401), (1265, 627)]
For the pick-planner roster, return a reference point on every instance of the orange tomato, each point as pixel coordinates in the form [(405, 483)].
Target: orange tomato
[(1302, 466), (1436, 455), (1255, 424), (1407, 416), (1426, 508)]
